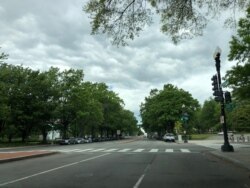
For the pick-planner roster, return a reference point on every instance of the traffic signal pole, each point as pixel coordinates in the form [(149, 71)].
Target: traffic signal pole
[(226, 147)]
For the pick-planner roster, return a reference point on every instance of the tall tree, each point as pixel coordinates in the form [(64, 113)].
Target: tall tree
[(239, 76), (69, 82), (163, 108), (209, 116), (122, 20), (3, 56)]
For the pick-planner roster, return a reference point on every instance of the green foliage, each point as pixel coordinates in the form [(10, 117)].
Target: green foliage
[(163, 108), (239, 45), (124, 20), (209, 116), (238, 77), (199, 136), (34, 101), (239, 117), (3, 56)]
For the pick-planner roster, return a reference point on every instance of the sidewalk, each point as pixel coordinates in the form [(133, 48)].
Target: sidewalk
[(20, 155), (240, 156)]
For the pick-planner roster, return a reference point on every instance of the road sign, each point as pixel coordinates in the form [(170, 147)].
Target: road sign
[(222, 119), (224, 84)]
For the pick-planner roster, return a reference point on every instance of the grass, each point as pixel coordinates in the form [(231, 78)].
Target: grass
[(199, 136), (18, 143)]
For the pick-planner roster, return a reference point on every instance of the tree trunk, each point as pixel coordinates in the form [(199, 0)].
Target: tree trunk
[(44, 133)]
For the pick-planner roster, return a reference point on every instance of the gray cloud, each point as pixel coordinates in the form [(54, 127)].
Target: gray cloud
[(57, 33)]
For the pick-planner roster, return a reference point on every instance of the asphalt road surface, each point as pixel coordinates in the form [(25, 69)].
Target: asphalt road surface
[(125, 164)]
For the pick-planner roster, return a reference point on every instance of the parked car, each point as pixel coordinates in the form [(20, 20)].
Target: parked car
[(80, 140), (67, 141), (64, 141), (169, 137), (88, 140)]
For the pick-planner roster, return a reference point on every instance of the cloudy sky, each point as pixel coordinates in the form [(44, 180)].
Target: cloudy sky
[(45, 33)]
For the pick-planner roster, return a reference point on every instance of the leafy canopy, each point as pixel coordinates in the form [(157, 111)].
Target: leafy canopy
[(239, 76), (123, 20)]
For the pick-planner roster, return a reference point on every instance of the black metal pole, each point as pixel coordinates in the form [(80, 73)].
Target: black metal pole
[(226, 147), (186, 139)]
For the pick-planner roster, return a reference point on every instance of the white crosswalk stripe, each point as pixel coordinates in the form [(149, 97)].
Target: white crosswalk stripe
[(101, 149), (110, 150), (124, 150), (83, 150), (154, 150), (168, 150), (185, 150), (138, 150)]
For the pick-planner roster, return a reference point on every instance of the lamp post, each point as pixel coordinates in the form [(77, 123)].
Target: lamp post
[(226, 147), (185, 119), (52, 137)]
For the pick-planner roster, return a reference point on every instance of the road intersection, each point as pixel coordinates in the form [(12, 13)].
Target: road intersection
[(136, 164)]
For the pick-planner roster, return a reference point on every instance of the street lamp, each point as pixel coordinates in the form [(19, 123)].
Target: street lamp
[(226, 147), (52, 137), (185, 119)]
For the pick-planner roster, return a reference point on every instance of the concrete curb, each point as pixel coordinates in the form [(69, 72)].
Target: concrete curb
[(27, 157), (231, 160)]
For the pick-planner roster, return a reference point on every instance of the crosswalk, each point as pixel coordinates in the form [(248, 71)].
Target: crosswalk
[(124, 150)]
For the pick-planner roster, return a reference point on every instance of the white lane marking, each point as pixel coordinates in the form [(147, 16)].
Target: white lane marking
[(142, 176), (110, 150), (124, 150), (85, 150), (53, 169), (67, 150), (185, 150), (101, 149), (138, 150), (154, 150), (139, 181), (169, 150)]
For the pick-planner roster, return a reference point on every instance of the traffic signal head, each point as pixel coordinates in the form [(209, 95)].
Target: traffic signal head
[(215, 83), (216, 88), (228, 97)]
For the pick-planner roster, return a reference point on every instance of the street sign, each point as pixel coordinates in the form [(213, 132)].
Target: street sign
[(224, 84), (222, 119)]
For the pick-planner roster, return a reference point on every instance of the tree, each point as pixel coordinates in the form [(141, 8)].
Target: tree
[(209, 116), (46, 94), (3, 56), (240, 117), (122, 20), (163, 108), (127, 123), (238, 76), (69, 82), (239, 45), (88, 112), (4, 98)]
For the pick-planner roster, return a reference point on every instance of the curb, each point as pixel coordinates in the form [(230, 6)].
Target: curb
[(228, 159), (27, 157)]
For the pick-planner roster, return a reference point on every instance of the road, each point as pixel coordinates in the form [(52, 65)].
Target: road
[(125, 164)]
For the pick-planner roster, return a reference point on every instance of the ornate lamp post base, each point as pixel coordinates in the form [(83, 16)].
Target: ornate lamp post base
[(227, 148)]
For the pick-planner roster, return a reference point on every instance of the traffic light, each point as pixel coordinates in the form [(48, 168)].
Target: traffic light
[(228, 97), (215, 83), (216, 88)]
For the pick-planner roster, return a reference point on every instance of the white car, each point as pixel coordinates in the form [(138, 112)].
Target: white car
[(169, 137)]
